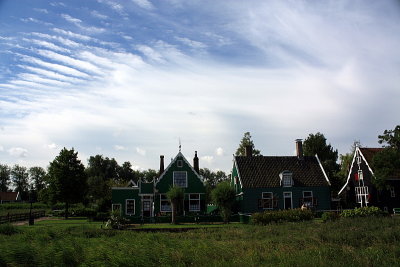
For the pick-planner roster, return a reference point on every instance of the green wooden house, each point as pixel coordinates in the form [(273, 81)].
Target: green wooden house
[(150, 199), (271, 183)]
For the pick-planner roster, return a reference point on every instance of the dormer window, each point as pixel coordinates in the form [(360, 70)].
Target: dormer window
[(286, 179), (179, 163)]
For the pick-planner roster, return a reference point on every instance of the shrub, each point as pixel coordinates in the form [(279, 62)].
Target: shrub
[(330, 216), (293, 215), (363, 212), (116, 221), (8, 229)]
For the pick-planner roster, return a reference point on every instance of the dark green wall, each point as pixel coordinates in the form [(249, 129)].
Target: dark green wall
[(121, 194)]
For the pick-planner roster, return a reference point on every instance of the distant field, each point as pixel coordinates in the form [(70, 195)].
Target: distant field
[(348, 242)]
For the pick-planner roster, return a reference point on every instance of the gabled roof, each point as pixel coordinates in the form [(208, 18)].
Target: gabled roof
[(9, 196), (264, 171), (369, 153), (171, 164)]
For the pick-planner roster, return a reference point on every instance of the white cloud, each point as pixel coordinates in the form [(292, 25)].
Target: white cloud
[(144, 4), (72, 34), (1, 148), (18, 152), (52, 146), (207, 159), (219, 151), (141, 151), (119, 148), (98, 15), (71, 19), (41, 10), (191, 43)]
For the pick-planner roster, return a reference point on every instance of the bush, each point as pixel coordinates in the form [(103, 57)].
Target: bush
[(363, 212), (116, 221), (293, 215), (8, 229), (330, 216)]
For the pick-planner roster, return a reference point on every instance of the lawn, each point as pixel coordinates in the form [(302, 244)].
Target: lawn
[(347, 242)]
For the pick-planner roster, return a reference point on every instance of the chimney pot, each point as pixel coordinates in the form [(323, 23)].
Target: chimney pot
[(299, 148), (161, 164), (249, 151), (196, 163)]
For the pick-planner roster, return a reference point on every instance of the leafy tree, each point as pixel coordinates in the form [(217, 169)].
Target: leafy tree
[(37, 176), (126, 173), (19, 176), (67, 179), (223, 197), (5, 177), (175, 196), (316, 144), (211, 179), (246, 141), (147, 175), (386, 163)]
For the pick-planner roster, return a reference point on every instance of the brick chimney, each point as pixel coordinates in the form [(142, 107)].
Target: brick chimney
[(161, 164), (299, 148), (249, 151), (196, 163)]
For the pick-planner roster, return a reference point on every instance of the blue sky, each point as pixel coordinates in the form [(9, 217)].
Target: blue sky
[(128, 79)]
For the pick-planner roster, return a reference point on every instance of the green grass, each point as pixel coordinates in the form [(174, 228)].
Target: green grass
[(347, 242)]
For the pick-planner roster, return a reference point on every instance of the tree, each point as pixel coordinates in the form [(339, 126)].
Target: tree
[(126, 173), (175, 196), (19, 176), (316, 144), (211, 179), (147, 175), (386, 163), (223, 197), (67, 178), (37, 176), (5, 177), (246, 141)]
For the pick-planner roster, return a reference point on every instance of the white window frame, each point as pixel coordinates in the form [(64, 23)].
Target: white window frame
[(287, 177), (115, 205), (164, 198), (361, 194), (126, 207), (192, 198), (291, 199), (270, 197), (392, 192), (186, 178), (311, 203), (179, 163), (360, 175)]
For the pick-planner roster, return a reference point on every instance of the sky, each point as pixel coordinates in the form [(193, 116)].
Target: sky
[(133, 79)]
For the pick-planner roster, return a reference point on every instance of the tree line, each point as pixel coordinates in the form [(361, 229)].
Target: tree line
[(67, 180)]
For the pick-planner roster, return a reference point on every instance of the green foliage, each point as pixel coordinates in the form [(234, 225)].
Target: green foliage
[(67, 178), (175, 196), (291, 215), (19, 177), (223, 197), (358, 241), (116, 221), (5, 177), (391, 138), (316, 144), (330, 216), (363, 212), (8, 229), (246, 141)]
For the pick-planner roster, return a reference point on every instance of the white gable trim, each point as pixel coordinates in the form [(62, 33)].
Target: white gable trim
[(237, 169), (322, 168), (172, 162), (366, 162), (132, 184)]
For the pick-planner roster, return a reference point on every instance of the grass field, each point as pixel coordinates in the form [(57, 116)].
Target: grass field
[(347, 242)]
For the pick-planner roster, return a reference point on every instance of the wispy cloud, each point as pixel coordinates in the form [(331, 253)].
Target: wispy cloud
[(119, 148), (144, 4), (72, 34), (98, 15), (141, 151), (18, 152), (71, 19)]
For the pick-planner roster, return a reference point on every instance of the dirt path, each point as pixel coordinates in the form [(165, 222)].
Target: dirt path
[(36, 220)]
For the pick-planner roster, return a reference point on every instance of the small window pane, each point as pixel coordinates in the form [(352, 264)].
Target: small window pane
[(180, 179), (130, 206)]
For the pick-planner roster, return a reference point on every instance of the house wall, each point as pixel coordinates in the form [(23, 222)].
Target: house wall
[(249, 204), (120, 195)]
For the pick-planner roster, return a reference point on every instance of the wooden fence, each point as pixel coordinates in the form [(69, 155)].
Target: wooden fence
[(21, 216)]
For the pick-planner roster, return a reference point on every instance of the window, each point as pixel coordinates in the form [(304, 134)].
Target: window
[(116, 207), (267, 200), (362, 194), (360, 175), (392, 193), (180, 179), (130, 207), (308, 198), (287, 200), (194, 202), (165, 206), (179, 163), (286, 179)]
